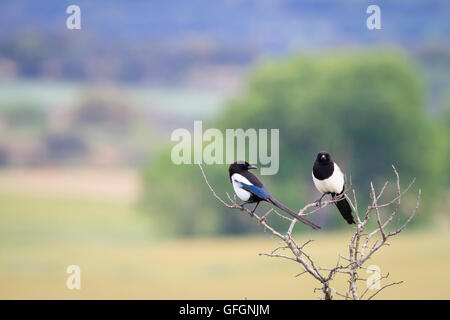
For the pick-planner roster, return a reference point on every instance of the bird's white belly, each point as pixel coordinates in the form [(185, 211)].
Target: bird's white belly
[(333, 184), (241, 193)]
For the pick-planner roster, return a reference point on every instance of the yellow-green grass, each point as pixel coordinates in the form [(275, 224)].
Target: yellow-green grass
[(119, 257)]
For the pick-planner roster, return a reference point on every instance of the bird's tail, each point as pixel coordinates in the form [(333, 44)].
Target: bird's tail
[(292, 213), (345, 210)]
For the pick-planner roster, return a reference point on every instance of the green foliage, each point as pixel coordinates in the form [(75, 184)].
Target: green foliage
[(181, 203), (366, 109), (445, 123)]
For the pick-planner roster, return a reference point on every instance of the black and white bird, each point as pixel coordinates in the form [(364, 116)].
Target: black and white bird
[(250, 190), (329, 179)]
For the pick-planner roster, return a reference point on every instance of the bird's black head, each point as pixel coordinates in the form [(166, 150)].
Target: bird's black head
[(240, 166), (324, 158)]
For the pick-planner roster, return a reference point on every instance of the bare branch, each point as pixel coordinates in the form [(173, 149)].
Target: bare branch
[(357, 255), (384, 287)]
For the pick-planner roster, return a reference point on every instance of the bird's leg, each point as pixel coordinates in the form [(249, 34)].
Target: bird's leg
[(319, 202), (242, 205), (255, 207)]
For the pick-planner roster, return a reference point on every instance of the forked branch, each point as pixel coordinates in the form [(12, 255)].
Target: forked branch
[(359, 249)]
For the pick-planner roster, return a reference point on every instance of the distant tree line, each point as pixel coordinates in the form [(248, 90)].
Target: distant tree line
[(32, 54)]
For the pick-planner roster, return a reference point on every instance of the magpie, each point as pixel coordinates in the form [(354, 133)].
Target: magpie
[(329, 179), (250, 190)]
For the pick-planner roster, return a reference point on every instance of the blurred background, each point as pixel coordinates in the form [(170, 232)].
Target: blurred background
[(86, 117)]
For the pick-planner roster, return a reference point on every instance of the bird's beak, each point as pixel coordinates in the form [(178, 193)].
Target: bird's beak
[(252, 167), (323, 157)]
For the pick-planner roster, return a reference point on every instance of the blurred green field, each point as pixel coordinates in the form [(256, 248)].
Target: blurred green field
[(182, 101), (43, 231)]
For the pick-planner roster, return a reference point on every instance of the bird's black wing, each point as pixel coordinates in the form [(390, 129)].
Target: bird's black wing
[(260, 192), (252, 178)]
